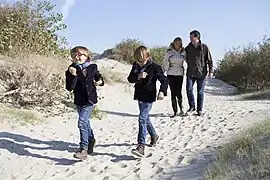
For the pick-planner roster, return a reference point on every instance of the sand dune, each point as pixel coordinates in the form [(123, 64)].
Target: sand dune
[(46, 151)]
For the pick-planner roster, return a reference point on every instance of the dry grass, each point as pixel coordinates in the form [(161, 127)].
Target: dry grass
[(21, 116), (245, 157), (36, 81), (260, 95), (111, 77)]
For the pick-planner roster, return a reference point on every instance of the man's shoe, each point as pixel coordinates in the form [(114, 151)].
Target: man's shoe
[(191, 110), (199, 113)]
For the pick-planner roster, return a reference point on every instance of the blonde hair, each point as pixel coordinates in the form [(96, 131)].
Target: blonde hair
[(171, 47), (141, 54), (81, 49)]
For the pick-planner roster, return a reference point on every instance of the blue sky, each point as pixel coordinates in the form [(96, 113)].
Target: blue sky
[(101, 24)]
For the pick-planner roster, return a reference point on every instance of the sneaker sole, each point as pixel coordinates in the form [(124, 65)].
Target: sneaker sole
[(137, 154), (83, 158)]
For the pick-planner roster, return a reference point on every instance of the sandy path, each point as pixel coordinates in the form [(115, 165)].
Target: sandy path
[(46, 151)]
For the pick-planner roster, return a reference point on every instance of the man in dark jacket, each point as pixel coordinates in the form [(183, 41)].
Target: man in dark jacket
[(198, 57)]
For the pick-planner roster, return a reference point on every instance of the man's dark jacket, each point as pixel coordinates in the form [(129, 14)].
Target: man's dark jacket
[(197, 60)]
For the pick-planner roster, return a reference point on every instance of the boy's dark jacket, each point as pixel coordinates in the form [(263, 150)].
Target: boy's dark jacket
[(197, 60), (145, 89), (83, 86)]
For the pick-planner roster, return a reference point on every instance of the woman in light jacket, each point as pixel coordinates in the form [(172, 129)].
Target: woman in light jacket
[(173, 66)]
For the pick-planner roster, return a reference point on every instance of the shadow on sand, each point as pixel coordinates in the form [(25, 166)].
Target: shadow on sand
[(124, 114), (13, 143)]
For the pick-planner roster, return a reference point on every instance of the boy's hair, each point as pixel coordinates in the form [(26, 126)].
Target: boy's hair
[(81, 49), (140, 52)]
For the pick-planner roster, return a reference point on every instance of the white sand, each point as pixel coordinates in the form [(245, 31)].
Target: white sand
[(46, 151)]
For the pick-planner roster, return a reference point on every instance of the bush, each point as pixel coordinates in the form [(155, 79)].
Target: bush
[(30, 27), (28, 33), (124, 50), (29, 85), (158, 53), (247, 68)]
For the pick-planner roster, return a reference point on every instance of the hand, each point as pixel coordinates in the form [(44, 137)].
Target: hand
[(72, 70), (97, 83), (142, 75), (160, 96), (210, 75)]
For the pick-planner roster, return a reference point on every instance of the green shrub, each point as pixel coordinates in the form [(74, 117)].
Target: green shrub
[(30, 27), (124, 50), (158, 53), (247, 68)]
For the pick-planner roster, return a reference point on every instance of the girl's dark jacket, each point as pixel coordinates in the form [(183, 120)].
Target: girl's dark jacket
[(83, 86), (145, 89)]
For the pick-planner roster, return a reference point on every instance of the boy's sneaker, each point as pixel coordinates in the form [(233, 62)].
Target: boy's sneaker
[(91, 145), (81, 154), (154, 140), (139, 151)]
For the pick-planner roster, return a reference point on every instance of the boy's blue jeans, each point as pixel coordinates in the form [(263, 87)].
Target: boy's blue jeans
[(200, 92), (86, 133), (145, 124)]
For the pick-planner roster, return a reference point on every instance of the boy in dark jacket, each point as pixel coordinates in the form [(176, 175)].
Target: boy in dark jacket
[(82, 77), (144, 74)]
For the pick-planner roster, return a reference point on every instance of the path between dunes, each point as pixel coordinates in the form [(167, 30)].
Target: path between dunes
[(46, 151)]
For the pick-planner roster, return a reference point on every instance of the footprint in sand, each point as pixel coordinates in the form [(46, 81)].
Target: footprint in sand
[(92, 169)]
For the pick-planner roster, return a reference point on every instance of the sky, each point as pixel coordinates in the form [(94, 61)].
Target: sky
[(100, 24)]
